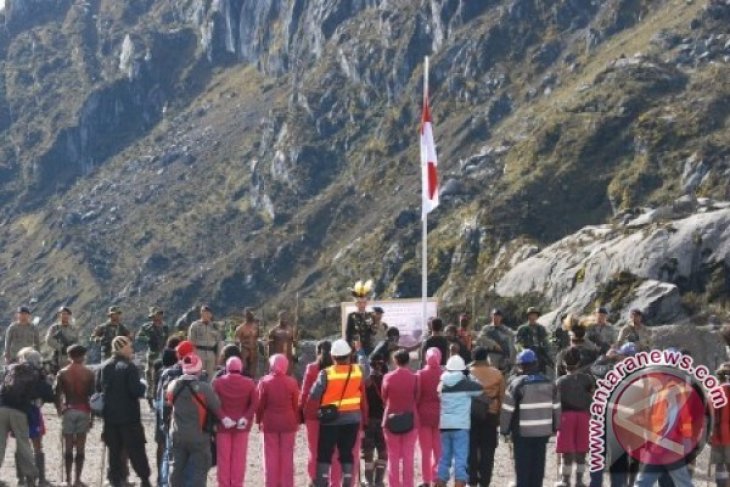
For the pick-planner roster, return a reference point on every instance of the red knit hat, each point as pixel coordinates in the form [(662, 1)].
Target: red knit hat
[(184, 348)]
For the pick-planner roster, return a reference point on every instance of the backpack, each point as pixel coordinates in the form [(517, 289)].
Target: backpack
[(18, 386)]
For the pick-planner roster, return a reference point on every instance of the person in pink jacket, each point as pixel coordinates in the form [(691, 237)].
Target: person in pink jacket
[(239, 400), (429, 410), (400, 391), (278, 418)]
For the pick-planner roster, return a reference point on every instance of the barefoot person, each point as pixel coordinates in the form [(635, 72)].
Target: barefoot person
[(247, 336), (74, 386)]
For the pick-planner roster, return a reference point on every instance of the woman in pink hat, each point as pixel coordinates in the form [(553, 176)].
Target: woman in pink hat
[(429, 410), (239, 400), (278, 418)]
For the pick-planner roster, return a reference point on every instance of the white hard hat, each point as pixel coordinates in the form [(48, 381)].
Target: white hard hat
[(456, 363), (340, 348)]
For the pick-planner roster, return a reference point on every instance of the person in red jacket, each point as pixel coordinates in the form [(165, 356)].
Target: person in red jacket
[(239, 400), (429, 410), (400, 390), (278, 418), (720, 440)]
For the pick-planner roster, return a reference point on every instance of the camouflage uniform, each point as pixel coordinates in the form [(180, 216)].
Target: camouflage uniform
[(105, 333), (155, 337), (20, 336), (207, 339), (535, 337), (360, 327), (58, 338)]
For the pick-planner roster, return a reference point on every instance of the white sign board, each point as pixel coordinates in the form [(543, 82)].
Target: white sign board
[(404, 314)]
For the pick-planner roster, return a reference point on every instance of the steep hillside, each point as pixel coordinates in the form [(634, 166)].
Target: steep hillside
[(241, 151)]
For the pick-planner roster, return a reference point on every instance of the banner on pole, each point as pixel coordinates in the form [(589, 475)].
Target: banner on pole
[(404, 314)]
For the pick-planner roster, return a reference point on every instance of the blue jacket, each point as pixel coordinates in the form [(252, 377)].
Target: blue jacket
[(456, 391)]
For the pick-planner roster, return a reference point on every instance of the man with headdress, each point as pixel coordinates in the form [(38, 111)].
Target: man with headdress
[(359, 327), (282, 339), (247, 336), (106, 332), (61, 335), (153, 334)]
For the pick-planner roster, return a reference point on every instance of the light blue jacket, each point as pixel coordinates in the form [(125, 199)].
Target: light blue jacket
[(456, 391)]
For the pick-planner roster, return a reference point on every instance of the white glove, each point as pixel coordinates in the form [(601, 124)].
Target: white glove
[(242, 423), (228, 423)]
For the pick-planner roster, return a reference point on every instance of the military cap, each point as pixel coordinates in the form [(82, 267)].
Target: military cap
[(378, 309), (64, 308), (533, 310), (154, 311), (23, 309), (602, 310), (114, 310)]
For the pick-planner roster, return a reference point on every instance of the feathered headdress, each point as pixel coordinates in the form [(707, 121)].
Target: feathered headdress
[(362, 290)]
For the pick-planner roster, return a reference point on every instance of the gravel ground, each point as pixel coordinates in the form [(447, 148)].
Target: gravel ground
[(503, 470)]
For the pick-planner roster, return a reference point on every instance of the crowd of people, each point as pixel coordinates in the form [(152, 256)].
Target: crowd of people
[(364, 397)]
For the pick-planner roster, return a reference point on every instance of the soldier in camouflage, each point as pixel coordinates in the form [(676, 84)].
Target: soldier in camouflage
[(61, 335), (154, 334), (534, 336), (106, 332)]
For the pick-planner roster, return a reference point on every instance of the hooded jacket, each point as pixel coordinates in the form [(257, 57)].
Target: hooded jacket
[(238, 395), (278, 409), (429, 377), (456, 392)]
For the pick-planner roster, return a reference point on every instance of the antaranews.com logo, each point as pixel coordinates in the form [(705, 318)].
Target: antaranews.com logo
[(654, 407)]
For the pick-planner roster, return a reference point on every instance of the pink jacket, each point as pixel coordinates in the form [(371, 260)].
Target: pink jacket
[(278, 409), (429, 404), (399, 392), (238, 396), (309, 408)]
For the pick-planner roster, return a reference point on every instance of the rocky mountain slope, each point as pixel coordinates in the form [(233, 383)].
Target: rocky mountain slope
[(241, 151)]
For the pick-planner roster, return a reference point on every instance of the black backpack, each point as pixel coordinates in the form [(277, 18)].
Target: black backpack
[(18, 386)]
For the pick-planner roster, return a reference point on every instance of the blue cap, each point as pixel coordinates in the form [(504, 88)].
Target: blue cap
[(526, 357), (628, 349)]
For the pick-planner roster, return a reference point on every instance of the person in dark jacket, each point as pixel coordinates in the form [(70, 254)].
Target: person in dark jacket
[(437, 340), (119, 380), (530, 415), (386, 347)]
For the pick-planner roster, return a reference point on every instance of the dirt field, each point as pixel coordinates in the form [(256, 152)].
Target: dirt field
[(503, 470)]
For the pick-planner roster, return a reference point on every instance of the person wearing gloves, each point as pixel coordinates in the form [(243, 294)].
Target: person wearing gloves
[(119, 379), (530, 415), (239, 400), (339, 392), (429, 410), (456, 391), (278, 417), (194, 405)]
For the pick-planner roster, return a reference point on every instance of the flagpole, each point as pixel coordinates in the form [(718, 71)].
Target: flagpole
[(424, 226)]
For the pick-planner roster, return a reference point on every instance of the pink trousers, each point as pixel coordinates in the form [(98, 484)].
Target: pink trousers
[(312, 426), (231, 450), (430, 441), (401, 451), (279, 459)]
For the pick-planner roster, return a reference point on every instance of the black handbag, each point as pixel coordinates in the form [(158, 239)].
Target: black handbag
[(399, 423), (329, 412)]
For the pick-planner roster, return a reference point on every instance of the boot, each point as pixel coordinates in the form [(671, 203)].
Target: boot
[(40, 463), (323, 475), (347, 480), (380, 466), (369, 474)]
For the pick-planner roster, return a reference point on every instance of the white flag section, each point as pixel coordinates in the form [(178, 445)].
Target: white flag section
[(429, 163), (404, 314)]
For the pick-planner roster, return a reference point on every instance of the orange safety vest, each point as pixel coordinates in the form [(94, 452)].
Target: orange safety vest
[(349, 399), (659, 414)]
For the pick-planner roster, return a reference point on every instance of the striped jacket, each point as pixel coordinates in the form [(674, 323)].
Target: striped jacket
[(531, 407)]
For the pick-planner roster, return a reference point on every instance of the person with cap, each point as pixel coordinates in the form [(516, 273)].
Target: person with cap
[(239, 401), (484, 418), (119, 380), (278, 417), (429, 412), (503, 355), (195, 406), (154, 335), (601, 332), (105, 333), (247, 337), (208, 340), (635, 331), (61, 335), (576, 394), (379, 326), (533, 336), (587, 350), (436, 340), (282, 339), (173, 356), (23, 386), (720, 436), (456, 391), (339, 393), (400, 420), (20, 334), (530, 415), (73, 388), (359, 323)]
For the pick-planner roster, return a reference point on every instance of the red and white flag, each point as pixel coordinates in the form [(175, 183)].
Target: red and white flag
[(429, 164)]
